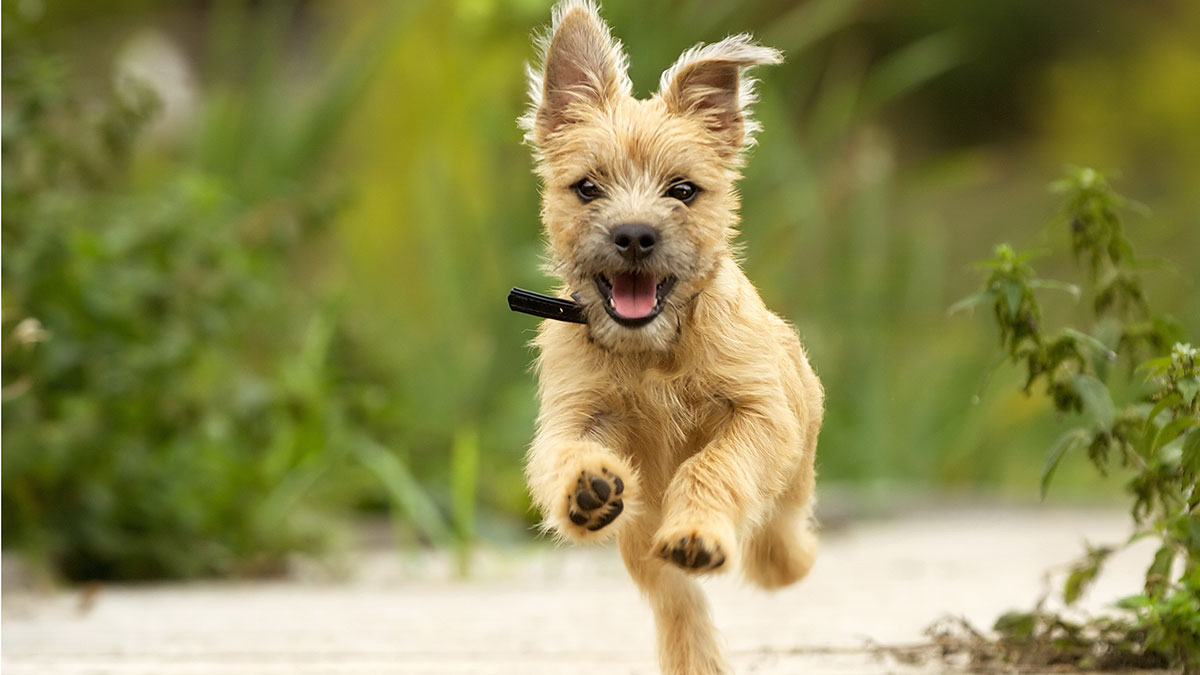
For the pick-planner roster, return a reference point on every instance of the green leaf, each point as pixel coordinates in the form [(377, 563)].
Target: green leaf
[(1053, 285), (912, 66), (1172, 431), (1188, 387), (405, 493), (971, 301), (1012, 297), (1150, 433), (1065, 442), (1159, 573), (1091, 341), (1139, 535), (1016, 625), (1084, 572), (1164, 403), (1134, 602), (1193, 532), (1189, 459), (1155, 366), (1096, 399)]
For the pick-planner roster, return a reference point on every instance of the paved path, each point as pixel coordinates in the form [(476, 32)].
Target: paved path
[(545, 611)]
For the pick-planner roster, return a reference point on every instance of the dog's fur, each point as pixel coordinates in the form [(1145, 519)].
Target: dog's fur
[(690, 439)]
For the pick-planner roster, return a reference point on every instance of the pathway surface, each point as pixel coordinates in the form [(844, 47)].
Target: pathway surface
[(545, 611)]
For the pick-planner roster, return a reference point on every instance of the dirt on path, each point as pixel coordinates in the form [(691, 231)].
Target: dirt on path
[(545, 611)]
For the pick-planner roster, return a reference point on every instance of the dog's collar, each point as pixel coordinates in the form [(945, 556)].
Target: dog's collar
[(545, 306)]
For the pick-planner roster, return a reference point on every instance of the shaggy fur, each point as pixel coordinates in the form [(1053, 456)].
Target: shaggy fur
[(690, 439)]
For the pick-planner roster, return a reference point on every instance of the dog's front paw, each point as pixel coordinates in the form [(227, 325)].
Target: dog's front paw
[(596, 499), (691, 550)]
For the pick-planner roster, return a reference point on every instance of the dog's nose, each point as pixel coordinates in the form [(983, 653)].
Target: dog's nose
[(634, 241)]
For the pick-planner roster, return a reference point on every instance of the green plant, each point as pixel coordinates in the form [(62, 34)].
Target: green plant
[(135, 416), (178, 399), (1153, 437)]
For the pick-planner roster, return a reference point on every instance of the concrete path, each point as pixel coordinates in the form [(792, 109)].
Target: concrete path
[(545, 611)]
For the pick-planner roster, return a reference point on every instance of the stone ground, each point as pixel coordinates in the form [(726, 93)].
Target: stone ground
[(544, 611)]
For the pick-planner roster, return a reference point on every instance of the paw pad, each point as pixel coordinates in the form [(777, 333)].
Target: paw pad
[(693, 552), (596, 500)]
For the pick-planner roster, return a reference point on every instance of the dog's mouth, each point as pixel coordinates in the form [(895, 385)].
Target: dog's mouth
[(634, 299)]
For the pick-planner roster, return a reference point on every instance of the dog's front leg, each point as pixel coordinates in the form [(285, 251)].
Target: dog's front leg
[(730, 483), (581, 486), (687, 640)]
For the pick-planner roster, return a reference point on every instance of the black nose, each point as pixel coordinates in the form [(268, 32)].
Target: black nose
[(635, 241)]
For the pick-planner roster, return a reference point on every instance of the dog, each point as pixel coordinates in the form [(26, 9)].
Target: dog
[(681, 416)]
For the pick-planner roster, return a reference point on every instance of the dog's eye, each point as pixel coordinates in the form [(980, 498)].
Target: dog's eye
[(684, 191), (588, 190)]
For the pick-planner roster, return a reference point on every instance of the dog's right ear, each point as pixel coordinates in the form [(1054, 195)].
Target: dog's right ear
[(581, 65)]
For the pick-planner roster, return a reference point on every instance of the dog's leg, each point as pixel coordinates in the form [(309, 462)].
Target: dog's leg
[(687, 640), (781, 552), (580, 485), (732, 484), (584, 489)]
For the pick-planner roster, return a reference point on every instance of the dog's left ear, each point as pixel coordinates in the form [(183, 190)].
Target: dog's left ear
[(708, 82)]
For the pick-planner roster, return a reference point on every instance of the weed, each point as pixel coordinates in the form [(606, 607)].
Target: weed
[(1154, 438)]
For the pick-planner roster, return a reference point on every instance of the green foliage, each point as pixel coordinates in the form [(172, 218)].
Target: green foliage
[(1041, 640), (143, 437), (178, 401), (1154, 438)]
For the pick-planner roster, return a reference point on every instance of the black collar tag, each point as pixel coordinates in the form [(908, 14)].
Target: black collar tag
[(545, 306)]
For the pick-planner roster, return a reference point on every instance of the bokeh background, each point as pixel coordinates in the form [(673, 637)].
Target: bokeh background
[(255, 254)]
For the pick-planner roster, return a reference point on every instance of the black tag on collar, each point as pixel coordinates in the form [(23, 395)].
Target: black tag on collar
[(545, 306)]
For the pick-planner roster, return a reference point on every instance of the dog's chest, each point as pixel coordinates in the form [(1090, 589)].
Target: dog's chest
[(668, 417)]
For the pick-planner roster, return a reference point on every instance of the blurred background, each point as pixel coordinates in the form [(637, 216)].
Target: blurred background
[(255, 254)]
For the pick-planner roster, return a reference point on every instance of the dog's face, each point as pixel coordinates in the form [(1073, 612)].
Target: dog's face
[(638, 201)]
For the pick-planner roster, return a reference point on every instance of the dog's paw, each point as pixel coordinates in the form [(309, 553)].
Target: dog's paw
[(596, 498), (691, 550)]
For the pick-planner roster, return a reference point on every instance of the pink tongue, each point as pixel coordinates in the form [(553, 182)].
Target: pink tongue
[(633, 295)]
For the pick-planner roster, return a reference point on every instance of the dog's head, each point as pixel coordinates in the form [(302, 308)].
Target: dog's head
[(639, 202)]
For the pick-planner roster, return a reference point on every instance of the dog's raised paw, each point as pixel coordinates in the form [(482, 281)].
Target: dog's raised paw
[(693, 552), (595, 500)]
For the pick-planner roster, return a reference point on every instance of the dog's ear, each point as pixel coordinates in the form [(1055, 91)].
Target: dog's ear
[(581, 65), (708, 82)]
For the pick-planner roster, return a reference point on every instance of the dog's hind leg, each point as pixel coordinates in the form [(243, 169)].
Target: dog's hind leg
[(782, 551), (687, 639)]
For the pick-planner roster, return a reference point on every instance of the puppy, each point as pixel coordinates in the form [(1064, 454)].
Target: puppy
[(681, 417)]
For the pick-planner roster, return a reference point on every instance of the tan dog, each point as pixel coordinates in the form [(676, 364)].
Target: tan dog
[(682, 419)]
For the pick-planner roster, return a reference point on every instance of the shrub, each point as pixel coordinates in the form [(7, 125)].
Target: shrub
[(179, 399)]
